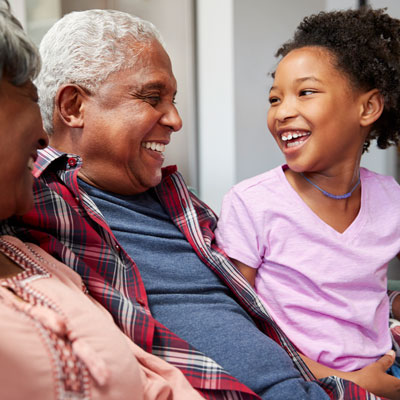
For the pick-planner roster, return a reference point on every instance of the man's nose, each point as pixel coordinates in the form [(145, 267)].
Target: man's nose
[(172, 119)]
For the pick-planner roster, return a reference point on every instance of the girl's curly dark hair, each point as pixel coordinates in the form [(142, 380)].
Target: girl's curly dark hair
[(365, 44)]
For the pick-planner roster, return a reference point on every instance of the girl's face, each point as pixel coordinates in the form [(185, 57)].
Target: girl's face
[(315, 114)]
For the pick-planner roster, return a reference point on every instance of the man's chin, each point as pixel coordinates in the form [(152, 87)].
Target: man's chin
[(151, 181), (150, 184), (138, 184)]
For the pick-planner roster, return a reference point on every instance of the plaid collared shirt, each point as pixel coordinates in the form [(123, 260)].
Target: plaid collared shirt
[(67, 224)]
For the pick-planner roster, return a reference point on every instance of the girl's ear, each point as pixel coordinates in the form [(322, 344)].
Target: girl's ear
[(372, 103), (69, 105)]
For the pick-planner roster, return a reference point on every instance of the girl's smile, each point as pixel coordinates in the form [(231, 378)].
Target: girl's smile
[(293, 137)]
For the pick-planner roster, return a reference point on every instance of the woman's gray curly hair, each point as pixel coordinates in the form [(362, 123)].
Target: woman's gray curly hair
[(84, 48), (19, 57)]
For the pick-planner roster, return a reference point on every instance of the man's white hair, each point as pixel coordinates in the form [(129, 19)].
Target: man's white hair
[(84, 48)]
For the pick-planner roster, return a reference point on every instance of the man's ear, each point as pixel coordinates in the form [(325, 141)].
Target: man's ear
[(371, 107), (69, 105)]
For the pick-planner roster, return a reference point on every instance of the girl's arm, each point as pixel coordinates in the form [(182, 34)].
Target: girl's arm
[(248, 272), (372, 378), (396, 303), (396, 307)]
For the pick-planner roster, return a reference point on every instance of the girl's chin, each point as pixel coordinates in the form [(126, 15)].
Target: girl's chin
[(295, 167)]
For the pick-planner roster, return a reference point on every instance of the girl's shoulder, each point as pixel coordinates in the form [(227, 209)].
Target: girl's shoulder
[(267, 191), (380, 189), (372, 178), (261, 182)]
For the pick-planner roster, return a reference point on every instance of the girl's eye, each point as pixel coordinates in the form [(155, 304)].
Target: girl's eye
[(307, 92), (273, 100)]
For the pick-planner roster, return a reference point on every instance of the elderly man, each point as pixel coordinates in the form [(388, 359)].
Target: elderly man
[(142, 243)]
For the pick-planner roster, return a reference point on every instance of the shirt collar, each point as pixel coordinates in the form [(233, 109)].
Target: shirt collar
[(169, 170), (49, 155)]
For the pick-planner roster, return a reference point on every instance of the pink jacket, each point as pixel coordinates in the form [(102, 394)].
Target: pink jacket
[(56, 341)]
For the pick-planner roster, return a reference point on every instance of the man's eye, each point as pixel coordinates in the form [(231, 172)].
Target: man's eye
[(153, 100)]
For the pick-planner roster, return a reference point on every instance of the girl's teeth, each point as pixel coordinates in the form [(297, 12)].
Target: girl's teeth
[(295, 135)]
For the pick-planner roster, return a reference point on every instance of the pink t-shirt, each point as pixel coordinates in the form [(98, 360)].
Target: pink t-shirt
[(58, 343), (325, 289)]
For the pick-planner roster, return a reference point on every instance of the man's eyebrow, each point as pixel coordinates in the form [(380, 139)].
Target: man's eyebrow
[(156, 85), (152, 86)]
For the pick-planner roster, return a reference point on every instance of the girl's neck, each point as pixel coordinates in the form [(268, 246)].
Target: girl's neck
[(342, 187), (338, 213)]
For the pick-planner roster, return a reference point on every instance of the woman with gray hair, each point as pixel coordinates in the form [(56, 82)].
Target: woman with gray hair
[(55, 341)]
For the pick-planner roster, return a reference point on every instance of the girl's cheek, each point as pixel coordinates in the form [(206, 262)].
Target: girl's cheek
[(270, 122)]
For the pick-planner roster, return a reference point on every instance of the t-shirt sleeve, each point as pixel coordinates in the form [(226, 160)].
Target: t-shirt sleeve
[(236, 232)]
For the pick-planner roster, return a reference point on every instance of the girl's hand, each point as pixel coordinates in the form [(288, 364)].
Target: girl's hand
[(372, 378), (375, 379)]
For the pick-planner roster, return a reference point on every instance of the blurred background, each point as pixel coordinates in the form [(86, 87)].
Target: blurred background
[(222, 53)]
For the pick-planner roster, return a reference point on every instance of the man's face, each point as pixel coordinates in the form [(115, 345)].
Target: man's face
[(127, 124)]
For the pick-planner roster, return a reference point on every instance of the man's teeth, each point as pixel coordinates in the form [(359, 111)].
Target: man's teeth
[(154, 146), (294, 135), (31, 163)]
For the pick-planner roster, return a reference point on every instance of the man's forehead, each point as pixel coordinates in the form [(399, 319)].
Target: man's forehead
[(142, 79), (151, 70)]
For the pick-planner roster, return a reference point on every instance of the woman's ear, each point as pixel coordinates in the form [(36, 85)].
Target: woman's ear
[(69, 105), (372, 103)]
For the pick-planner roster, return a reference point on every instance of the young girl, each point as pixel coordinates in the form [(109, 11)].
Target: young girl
[(314, 236)]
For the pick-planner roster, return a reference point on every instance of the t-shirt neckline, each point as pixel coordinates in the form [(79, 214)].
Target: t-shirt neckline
[(355, 225)]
